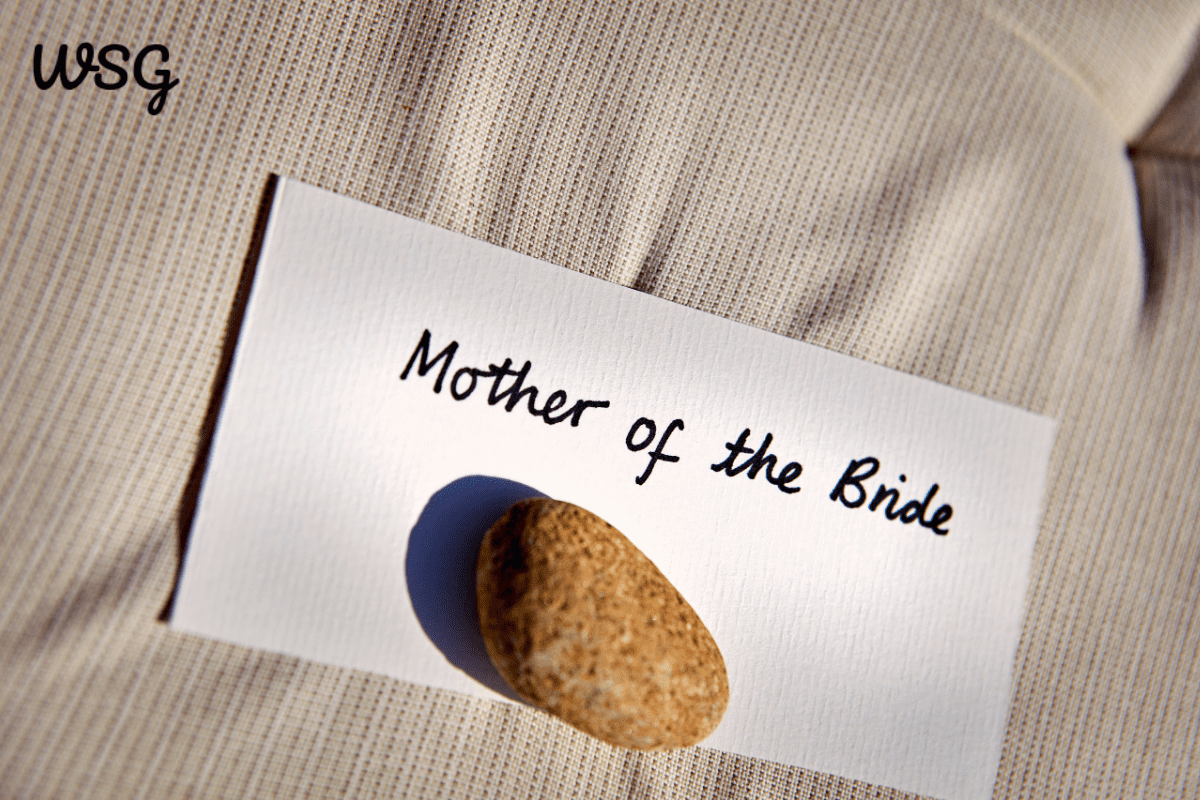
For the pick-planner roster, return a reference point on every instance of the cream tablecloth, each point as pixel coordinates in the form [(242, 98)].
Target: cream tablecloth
[(941, 187)]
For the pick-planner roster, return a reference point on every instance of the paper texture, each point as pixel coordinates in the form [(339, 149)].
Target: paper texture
[(342, 502)]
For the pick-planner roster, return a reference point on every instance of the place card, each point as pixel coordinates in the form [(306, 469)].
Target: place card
[(857, 540)]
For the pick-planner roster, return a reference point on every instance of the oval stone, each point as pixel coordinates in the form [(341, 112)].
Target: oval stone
[(582, 625)]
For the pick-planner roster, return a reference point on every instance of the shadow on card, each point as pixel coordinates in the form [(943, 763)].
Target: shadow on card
[(440, 569)]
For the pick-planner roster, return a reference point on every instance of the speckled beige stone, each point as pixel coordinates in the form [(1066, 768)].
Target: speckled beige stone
[(584, 626)]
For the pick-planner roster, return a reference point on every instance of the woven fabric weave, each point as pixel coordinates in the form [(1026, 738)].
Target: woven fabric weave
[(939, 187)]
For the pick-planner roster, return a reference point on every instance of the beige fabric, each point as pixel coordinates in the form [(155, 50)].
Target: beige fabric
[(1175, 132), (939, 187)]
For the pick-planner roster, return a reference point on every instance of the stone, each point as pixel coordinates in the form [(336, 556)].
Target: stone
[(582, 625)]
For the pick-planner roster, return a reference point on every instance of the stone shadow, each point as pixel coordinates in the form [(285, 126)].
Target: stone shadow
[(440, 569)]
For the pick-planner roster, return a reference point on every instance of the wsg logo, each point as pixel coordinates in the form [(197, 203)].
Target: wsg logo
[(84, 55)]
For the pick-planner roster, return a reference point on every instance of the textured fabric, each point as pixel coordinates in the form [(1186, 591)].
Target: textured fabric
[(1175, 133), (941, 187)]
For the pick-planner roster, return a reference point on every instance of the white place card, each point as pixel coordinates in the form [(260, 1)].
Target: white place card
[(857, 540)]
